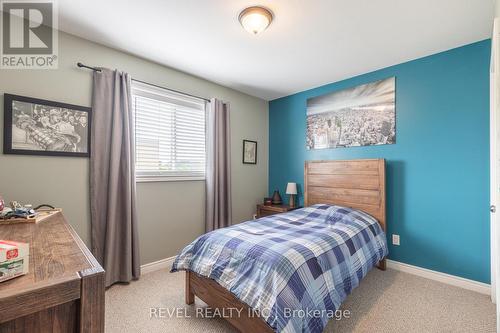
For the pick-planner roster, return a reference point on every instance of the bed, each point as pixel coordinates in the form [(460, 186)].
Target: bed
[(262, 271)]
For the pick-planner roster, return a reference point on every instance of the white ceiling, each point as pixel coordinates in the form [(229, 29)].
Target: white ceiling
[(309, 43)]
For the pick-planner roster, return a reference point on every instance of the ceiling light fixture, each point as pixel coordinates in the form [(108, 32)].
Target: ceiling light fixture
[(255, 19)]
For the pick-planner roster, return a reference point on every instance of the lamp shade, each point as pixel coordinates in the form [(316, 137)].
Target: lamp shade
[(291, 188)]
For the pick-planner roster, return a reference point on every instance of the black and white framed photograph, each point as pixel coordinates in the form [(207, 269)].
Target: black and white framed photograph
[(39, 127), (361, 116), (249, 152)]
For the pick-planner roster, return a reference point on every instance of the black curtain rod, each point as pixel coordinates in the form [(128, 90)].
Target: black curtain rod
[(79, 64)]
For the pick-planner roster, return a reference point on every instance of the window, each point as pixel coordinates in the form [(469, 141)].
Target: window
[(169, 134)]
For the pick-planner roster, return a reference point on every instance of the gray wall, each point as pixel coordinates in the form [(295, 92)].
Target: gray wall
[(171, 214)]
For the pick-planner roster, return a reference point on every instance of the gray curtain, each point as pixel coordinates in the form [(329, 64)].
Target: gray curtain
[(112, 178), (218, 178)]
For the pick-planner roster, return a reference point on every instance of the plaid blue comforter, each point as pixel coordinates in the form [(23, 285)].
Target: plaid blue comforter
[(306, 259)]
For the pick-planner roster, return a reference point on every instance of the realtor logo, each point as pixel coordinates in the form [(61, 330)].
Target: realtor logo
[(29, 35)]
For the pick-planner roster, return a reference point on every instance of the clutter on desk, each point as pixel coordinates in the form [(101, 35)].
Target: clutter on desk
[(19, 213), (14, 259)]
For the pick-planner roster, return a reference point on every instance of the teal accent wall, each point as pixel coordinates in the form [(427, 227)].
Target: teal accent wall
[(438, 170)]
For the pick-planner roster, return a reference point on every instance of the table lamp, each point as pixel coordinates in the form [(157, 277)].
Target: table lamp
[(291, 189)]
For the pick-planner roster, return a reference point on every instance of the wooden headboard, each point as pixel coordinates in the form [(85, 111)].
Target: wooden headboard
[(357, 184)]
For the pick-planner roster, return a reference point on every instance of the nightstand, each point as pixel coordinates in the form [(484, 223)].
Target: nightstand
[(263, 210)]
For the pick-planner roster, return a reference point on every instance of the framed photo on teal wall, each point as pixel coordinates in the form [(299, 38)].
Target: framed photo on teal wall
[(364, 115)]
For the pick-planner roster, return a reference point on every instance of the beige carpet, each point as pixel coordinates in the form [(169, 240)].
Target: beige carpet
[(387, 301)]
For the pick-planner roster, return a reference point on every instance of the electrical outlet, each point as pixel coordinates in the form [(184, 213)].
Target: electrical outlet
[(395, 239)]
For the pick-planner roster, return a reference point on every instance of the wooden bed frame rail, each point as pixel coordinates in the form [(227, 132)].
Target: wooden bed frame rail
[(217, 297)]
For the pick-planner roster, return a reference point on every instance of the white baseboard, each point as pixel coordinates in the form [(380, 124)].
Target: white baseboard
[(157, 265), (453, 280)]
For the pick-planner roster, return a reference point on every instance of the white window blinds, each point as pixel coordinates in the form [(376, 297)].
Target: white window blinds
[(169, 134)]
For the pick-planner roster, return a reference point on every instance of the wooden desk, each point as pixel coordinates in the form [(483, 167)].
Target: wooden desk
[(64, 289)]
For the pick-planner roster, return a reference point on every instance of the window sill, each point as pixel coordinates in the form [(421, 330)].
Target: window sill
[(168, 179)]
